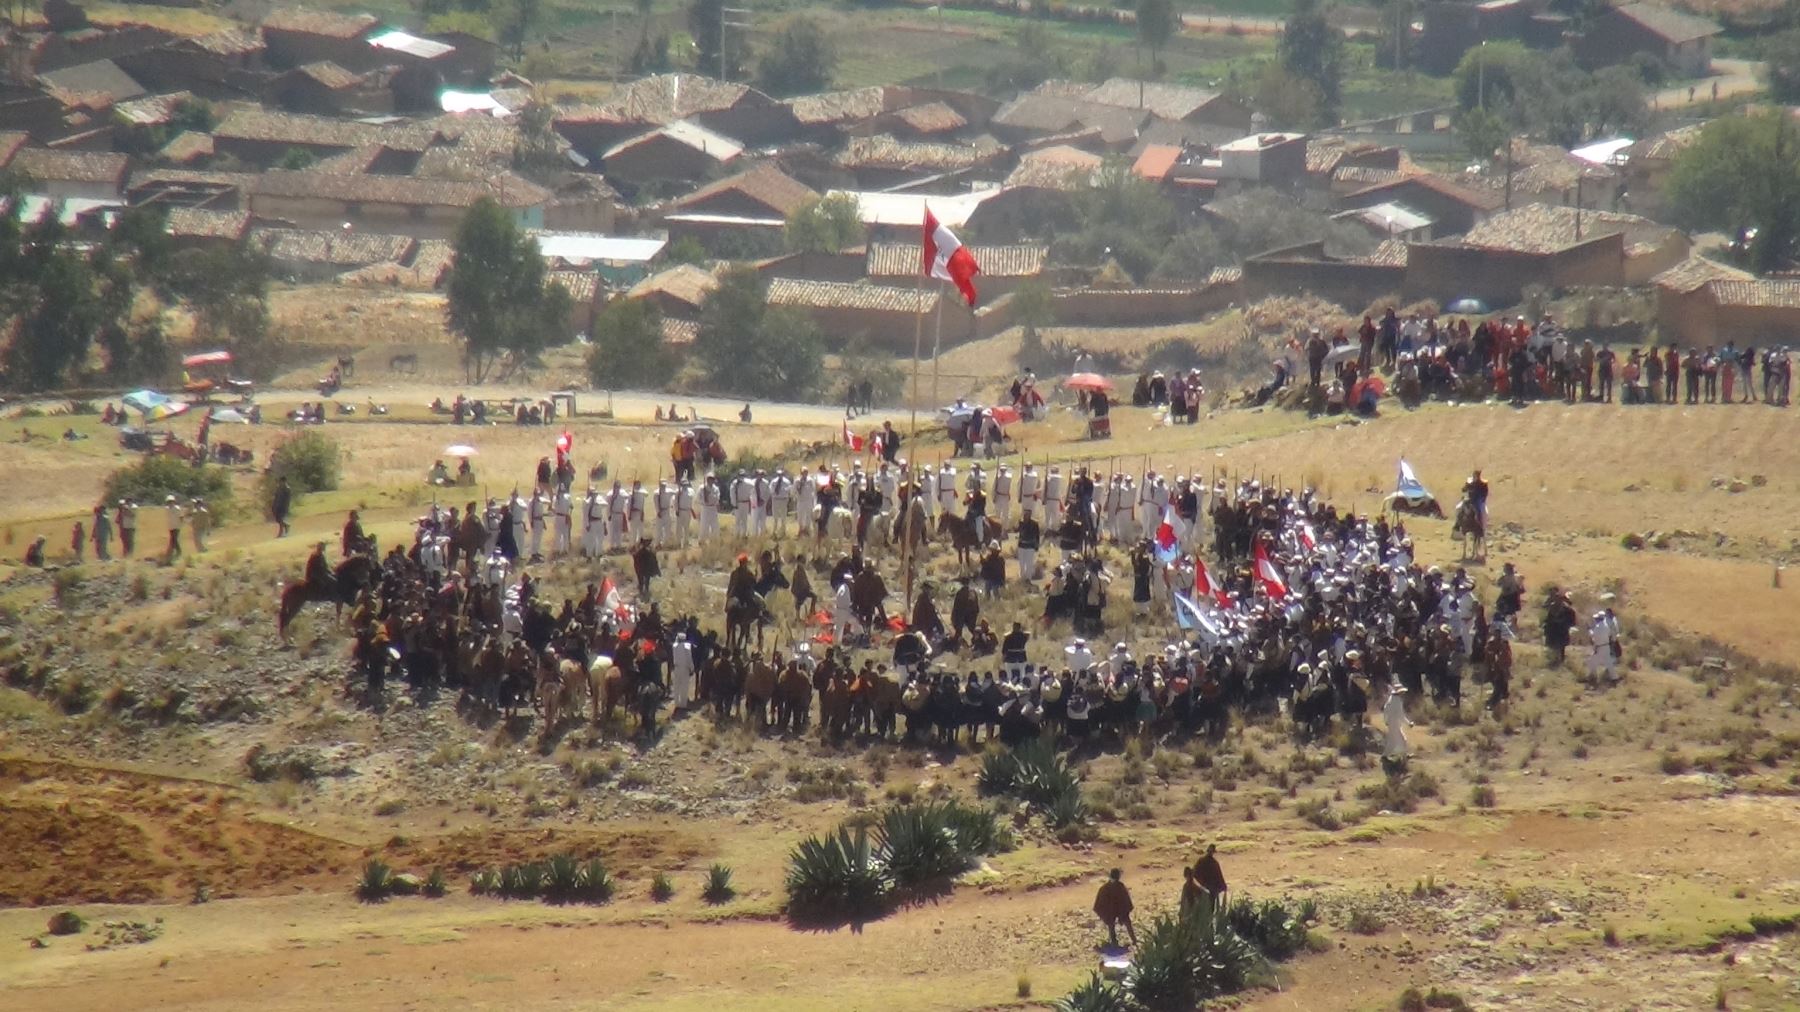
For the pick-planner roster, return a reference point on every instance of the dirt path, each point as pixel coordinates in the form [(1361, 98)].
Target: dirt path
[(1731, 79)]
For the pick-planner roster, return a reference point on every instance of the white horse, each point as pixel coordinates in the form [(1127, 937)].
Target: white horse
[(842, 524)]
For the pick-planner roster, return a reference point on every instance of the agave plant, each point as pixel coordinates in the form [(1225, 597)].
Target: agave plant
[(1096, 995), (435, 885), (1182, 960), (485, 882), (562, 878), (999, 771), (662, 888), (978, 831), (1066, 808), (1277, 931), (718, 887), (836, 875), (377, 882), (511, 882), (918, 844), (596, 885)]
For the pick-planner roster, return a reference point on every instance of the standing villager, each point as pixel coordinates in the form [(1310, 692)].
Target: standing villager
[(102, 533), (1210, 877), (1112, 904), (279, 504)]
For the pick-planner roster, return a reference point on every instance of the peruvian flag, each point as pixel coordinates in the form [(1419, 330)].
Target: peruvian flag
[(851, 439), (1165, 537), (1307, 538), (1206, 588), (947, 259), (878, 446), (611, 601), (1268, 575)]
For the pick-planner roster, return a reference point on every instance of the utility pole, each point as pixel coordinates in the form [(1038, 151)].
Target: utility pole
[(1580, 177), (724, 23)]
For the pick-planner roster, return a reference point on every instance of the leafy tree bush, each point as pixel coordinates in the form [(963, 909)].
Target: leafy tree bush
[(498, 302), (800, 60), (628, 349), (157, 477), (1742, 173), (752, 350), (826, 225), (311, 462), (1312, 48)]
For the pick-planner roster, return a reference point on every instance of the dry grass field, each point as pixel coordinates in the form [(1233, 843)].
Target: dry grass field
[(1580, 849)]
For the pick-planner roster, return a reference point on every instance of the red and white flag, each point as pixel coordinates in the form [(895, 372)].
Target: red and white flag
[(851, 439), (1206, 589), (1165, 543), (947, 259), (611, 601), (1266, 574), (1306, 537)]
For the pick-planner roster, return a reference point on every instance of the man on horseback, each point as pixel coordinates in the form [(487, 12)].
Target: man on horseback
[(1476, 491), (318, 572)]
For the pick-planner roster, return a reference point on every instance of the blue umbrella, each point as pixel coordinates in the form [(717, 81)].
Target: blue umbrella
[(145, 400), (1467, 306)]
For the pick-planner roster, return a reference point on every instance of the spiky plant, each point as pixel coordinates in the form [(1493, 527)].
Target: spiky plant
[(596, 882), (1095, 995), (1066, 808), (836, 875), (435, 885), (999, 771), (377, 882), (485, 883), (978, 830), (1183, 960), (918, 844), (562, 878), (718, 885), (662, 889)]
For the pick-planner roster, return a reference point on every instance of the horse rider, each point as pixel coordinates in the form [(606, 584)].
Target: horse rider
[(1476, 491), (318, 572)]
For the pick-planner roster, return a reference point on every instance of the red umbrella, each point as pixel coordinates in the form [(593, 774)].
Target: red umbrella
[(1088, 381), (1005, 416), (1375, 383)]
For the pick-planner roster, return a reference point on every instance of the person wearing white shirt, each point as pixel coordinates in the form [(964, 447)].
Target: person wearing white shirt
[(539, 514), (781, 501), (760, 506), (1080, 656), (743, 502), (1054, 490), (593, 528), (684, 511), (709, 508), (681, 672), (1000, 508), (1603, 636), (664, 504), (563, 507), (618, 513)]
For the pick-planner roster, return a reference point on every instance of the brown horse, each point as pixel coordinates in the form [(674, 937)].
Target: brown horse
[(742, 617), (351, 577), (962, 536)]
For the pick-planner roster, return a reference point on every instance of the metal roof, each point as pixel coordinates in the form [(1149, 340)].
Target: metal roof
[(410, 44), (581, 246), (875, 208)]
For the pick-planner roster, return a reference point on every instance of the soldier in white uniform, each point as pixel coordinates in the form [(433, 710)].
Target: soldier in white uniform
[(889, 483), (563, 506), (1000, 504), (743, 502), (490, 522), (593, 523), (781, 500), (665, 514), (1031, 491), (637, 521), (806, 496), (1149, 515), (515, 512), (928, 491), (946, 488), (1054, 490), (760, 507), (618, 513), (539, 507), (684, 511), (432, 553), (709, 508)]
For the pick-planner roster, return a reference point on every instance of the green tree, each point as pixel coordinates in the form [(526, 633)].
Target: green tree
[(296, 158), (537, 151), (1742, 173), (53, 334), (826, 225), (497, 300), (1781, 66), (1287, 101), (1121, 217), (706, 24), (1313, 49), (1033, 306), (628, 349), (1482, 132), (750, 349), (1157, 23), (800, 60)]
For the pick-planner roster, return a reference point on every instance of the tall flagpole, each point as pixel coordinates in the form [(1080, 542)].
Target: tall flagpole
[(918, 336), (937, 343)]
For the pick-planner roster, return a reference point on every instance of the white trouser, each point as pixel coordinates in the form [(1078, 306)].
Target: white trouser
[(537, 539), (1028, 564), (561, 543), (709, 524), (743, 521), (662, 529), (681, 529), (1601, 659)]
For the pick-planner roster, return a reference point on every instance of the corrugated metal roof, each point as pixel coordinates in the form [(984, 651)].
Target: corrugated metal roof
[(590, 246), (851, 295), (877, 208), (410, 44), (901, 259), (1389, 216)]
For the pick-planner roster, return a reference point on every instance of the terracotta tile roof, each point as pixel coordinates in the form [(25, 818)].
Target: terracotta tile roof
[(1054, 114), (1156, 161), (152, 110), (1545, 228), (1664, 146), (10, 142), (1387, 253), (1170, 101), (834, 107), (97, 84), (581, 285), (679, 332), (1693, 274), (764, 184), (932, 118), (685, 282), (885, 151), (191, 177), (508, 189), (1061, 88), (329, 75), (331, 246), (229, 42), (850, 295), (1667, 23), (197, 223), (432, 260), (1763, 294), (187, 146), (1481, 200), (1058, 168), (708, 142), (1366, 176), (328, 24), (271, 126), (666, 98), (52, 165), (901, 259), (1324, 153)]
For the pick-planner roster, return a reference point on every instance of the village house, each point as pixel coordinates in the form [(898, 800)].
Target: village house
[(1700, 302), (401, 205), (1176, 103), (294, 36), (747, 210), (586, 296), (219, 66), (325, 88), (886, 315), (830, 116), (1682, 41), (885, 162), (1003, 268), (677, 292), (1057, 108), (1448, 208), (1349, 281), (1541, 244), (682, 152), (619, 260), (1648, 163), (266, 138), (730, 110), (311, 255), (195, 227), (57, 173)]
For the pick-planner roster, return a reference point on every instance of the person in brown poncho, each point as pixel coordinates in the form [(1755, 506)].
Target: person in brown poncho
[(1210, 877), (1112, 904)]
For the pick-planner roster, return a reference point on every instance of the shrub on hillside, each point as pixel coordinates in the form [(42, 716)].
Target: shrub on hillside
[(152, 480), (311, 462)]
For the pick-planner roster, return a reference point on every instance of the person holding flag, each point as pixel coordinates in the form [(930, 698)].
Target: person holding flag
[(1267, 576)]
